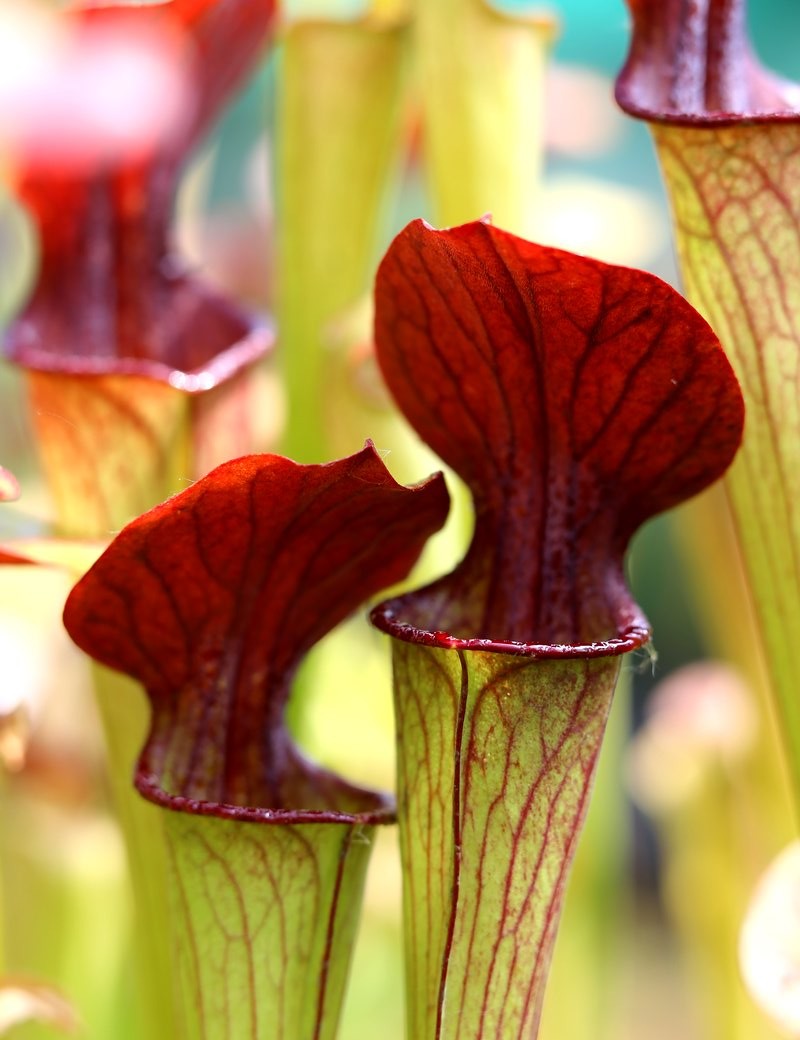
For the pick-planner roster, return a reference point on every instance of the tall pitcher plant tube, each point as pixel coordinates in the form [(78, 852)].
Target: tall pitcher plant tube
[(210, 601), (728, 138), (140, 376), (576, 400), (481, 73), (340, 106), (136, 369)]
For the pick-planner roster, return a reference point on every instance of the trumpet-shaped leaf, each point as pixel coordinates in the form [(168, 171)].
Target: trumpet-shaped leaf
[(728, 138), (110, 295), (210, 601), (576, 400), (114, 313)]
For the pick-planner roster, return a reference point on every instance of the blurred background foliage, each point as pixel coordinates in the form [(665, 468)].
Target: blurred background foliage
[(647, 948)]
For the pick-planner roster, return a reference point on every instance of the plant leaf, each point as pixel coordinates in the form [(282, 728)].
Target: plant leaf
[(210, 601), (113, 445), (482, 129), (117, 330), (265, 920), (735, 200), (576, 400), (339, 135), (487, 840)]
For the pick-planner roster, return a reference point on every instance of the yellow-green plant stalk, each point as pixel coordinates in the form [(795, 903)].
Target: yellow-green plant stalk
[(711, 771), (588, 951), (340, 103), (708, 538), (493, 809), (576, 400), (480, 77), (210, 601), (728, 138)]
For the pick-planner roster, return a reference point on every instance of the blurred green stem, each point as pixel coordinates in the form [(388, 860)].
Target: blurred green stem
[(125, 714), (338, 128), (481, 86)]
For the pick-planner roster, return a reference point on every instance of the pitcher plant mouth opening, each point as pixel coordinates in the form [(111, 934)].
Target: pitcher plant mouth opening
[(111, 296), (210, 601), (348, 804), (699, 69), (388, 617), (575, 400), (238, 341)]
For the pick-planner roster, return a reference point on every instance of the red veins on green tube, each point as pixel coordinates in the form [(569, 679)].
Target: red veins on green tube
[(727, 133), (576, 400), (210, 600)]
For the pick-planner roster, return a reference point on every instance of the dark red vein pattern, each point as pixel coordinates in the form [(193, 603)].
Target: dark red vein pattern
[(265, 921), (111, 446), (210, 601), (576, 400), (736, 201), (487, 843), (735, 194)]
